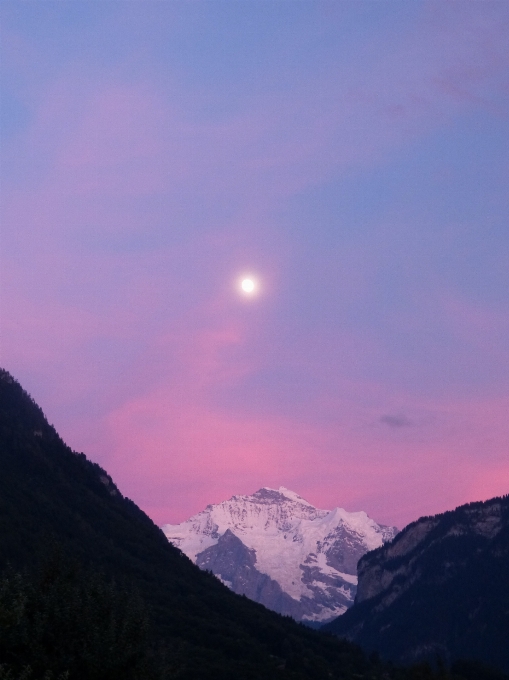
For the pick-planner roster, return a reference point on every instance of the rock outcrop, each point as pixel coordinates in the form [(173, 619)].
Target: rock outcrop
[(440, 588)]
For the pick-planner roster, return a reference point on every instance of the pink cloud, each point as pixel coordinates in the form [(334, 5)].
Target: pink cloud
[(138, 343), (176, 437)]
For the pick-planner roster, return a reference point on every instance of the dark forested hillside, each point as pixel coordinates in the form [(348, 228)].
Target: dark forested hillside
[(90, 586), (78, 559), (440, 588)]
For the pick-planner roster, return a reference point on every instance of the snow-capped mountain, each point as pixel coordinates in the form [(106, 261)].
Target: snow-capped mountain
[(276, 548)]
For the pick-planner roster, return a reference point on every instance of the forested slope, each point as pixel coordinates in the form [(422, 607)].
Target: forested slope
[(440, 588), (58, 509)]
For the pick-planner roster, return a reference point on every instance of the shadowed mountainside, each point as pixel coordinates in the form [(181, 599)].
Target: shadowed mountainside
[(440, 588), (51, 495)]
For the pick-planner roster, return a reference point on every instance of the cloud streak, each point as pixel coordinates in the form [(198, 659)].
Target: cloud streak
[(140, 185)]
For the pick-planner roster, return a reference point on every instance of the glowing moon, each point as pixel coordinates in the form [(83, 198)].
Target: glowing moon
[(248, 285)]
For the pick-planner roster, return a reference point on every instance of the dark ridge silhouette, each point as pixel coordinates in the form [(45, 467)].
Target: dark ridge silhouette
[(77, 556), (440, 588)]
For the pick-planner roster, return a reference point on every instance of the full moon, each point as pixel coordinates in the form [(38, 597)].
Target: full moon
[(248, 285)]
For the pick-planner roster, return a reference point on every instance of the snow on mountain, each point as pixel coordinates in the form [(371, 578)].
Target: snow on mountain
[(277, 549)]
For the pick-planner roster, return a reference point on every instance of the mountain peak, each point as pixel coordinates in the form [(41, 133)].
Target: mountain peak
[(302, 559), (267, 493)]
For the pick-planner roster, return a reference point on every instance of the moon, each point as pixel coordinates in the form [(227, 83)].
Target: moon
[(248, 285)]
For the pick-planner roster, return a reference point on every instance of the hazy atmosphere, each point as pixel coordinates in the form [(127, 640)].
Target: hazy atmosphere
[(350, 158)]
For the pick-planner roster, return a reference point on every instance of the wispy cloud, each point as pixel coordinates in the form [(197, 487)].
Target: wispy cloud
[(396, 421), (144, 180)]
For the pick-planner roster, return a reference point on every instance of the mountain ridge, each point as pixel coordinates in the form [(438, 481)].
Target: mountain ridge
[(297, 559), (50, 494), (110, 555), (440, 587)]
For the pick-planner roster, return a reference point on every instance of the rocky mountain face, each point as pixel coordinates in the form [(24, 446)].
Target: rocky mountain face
[(440, 588), (279, 550)]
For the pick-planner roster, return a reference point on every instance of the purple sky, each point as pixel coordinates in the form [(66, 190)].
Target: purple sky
[(353, 156)]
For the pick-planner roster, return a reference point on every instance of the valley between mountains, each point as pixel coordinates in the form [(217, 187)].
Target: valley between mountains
[(92, 589), (281, 551)]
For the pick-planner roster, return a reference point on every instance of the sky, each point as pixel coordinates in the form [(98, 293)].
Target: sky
[(351, 157)]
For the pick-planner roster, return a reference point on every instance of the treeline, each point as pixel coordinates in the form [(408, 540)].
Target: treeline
[(66, 622), (63, 622)]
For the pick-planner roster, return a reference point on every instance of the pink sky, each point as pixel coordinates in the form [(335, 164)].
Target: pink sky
[(354, 157)]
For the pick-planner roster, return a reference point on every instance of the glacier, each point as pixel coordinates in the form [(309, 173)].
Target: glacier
[(281, 551)]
